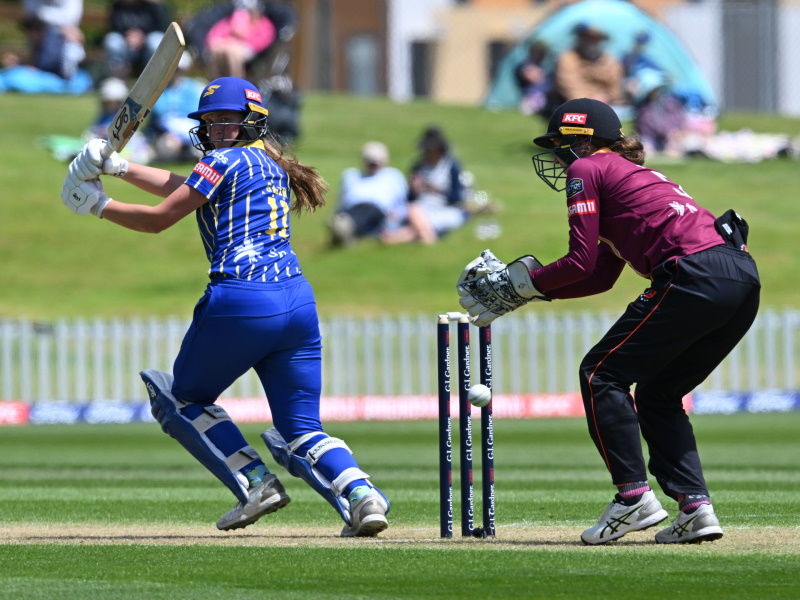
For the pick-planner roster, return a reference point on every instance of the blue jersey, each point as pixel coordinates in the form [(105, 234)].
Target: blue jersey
[(245, 223)]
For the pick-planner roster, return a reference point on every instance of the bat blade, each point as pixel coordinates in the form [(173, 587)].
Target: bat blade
[(147, 89)]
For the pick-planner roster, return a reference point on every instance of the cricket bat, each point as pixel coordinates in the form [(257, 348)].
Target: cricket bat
[(147, 89)]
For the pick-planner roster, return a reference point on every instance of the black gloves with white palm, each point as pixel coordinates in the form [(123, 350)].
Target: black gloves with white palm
[(489, 288)]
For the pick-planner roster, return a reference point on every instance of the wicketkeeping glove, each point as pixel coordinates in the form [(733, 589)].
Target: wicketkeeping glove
[(84, 197), (489, 288), (91, 162)]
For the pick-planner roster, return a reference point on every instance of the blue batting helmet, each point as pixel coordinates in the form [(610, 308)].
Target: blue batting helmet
[(230, 93)]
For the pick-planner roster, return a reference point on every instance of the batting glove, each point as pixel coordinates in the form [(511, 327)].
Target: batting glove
[(97, 158), (84, 197)]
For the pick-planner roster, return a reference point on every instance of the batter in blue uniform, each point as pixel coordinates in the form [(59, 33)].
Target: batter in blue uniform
[(258, 310)]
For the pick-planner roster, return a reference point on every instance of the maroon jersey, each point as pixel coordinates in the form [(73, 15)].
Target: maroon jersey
[(622, 213)]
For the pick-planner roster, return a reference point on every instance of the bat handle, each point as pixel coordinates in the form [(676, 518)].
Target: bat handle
[(107, 151)]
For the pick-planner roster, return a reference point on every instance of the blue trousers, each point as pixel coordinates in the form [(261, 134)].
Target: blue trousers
[(272, 328)]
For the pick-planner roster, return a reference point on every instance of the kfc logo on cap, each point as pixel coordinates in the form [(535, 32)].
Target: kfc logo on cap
[(254, 95), (575, 118)]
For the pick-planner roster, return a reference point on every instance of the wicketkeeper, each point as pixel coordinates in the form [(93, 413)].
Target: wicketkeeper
[(702, 298)]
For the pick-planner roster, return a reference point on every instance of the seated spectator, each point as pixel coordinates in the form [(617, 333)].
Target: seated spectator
[(534, 81), (437, 193), (236, 39), (168, 126), (660, 117), (135, 30), (54, 37), (372, 200), (588, 71), (636, 59)]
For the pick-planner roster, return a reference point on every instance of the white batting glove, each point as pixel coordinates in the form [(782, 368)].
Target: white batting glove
[(91, 161), (489, 288), (84, 197)]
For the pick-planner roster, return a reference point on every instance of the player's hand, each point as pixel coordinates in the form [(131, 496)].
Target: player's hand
[(84, 197), (91, 161), (489, 288)]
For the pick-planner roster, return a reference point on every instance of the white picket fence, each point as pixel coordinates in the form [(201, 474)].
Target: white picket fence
[(534, 352)]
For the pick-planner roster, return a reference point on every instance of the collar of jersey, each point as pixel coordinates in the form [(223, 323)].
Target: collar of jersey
[(254, 144)]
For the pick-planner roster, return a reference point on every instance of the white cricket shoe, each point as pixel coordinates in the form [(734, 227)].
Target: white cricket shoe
[(266, 498), (700, 526), (618, 519), (368, 516)]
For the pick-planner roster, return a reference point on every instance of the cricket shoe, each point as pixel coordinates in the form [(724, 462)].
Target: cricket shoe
[(266, 498), (618, 519), (692, 528), (368, 515)]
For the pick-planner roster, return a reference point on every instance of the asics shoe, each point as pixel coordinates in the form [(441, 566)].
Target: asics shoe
[(368, 515), (263, 499), (700, 526), (618, 519)]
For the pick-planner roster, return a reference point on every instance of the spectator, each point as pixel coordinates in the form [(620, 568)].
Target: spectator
[(168, 126), (236, 39), (660, 117), (587, 71), (636, 59), (135, 29), (436, 194), (372, 200), (54, 36), (535, 83)]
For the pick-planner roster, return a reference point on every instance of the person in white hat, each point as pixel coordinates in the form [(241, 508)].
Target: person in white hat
[(372, 199)]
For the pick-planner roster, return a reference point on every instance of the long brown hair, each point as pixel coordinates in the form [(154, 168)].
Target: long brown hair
[(308, 186), (629, 148)]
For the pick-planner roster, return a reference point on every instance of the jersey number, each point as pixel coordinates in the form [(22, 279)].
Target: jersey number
[(278, 225)]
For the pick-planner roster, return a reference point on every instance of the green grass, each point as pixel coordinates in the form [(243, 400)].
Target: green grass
[(122, 478), (63, 265)]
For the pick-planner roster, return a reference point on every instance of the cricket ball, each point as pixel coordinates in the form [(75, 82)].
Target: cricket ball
[(480, 395)]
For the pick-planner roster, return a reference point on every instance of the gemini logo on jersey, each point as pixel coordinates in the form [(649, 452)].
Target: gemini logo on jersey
[(207, 172), (581, 207)]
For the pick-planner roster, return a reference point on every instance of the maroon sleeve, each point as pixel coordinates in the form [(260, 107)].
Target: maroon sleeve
[(583, 213), (607, 269)]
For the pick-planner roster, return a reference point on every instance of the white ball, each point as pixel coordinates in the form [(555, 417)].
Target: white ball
[(480, 395)]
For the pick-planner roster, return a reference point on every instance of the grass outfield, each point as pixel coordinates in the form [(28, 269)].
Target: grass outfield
[(123, 512), (67, 266)]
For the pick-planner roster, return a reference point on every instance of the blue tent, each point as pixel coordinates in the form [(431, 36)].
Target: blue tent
[(622, 21)]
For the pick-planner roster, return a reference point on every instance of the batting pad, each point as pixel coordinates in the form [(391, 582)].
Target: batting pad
[(191, 433), (304, 466)]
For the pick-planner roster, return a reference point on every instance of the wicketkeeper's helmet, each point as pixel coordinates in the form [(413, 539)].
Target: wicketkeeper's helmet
[(576, 123), (230, 93)]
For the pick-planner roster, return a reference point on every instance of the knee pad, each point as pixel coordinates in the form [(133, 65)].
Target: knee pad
[(304, 467), (190, 433)]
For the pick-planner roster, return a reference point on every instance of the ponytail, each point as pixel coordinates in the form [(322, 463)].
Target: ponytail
[(308, 186), (629, 148)]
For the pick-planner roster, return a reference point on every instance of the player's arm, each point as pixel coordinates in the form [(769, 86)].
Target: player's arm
[(154, 219), (607, 269), (89, 197), (158, 182), (96, 158)]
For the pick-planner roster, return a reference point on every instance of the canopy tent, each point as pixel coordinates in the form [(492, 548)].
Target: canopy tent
[(622, 21)]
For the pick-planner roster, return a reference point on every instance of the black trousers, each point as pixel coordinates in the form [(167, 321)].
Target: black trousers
[(666, 342)]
